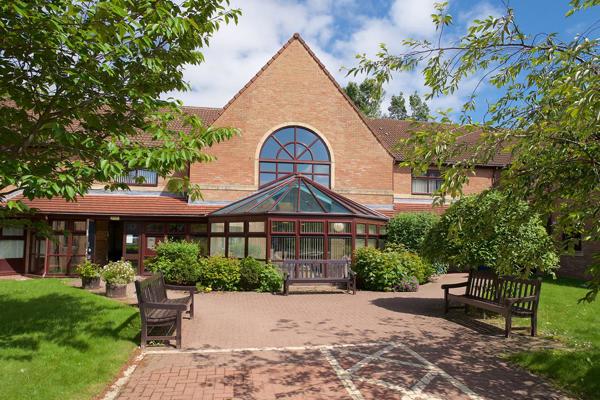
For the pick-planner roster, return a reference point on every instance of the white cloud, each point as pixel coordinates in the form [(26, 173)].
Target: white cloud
[(335, 30)]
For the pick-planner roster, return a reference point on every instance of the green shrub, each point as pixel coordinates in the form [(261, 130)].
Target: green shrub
[(219, 273), (250, 273), (415, 266), (410, 229), (118, 272), (178, 261), (87, 269), (256, 275), (271, 279), (378, 270), (491, 230)]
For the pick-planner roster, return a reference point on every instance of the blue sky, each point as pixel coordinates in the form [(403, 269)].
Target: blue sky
[(339, 29)]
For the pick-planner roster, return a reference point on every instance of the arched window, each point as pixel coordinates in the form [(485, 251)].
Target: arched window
[(294, 149)]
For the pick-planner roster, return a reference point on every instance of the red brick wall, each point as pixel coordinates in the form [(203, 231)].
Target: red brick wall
[(575, 265), (293, 89)]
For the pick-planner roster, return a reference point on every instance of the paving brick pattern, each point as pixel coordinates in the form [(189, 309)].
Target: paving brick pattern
[(335, 346)]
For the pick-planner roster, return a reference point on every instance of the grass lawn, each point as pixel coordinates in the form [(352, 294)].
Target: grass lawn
[(60, 342), (577, 369)]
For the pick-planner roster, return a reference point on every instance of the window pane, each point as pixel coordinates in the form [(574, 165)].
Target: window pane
[(236, 227), (311, 248), (58, 225), (305, 168), (217, 227), (285, 168), (266, 178), (372, 229), (372, 242), (257, 248), (57, 265), (285, 135), (319, 151), (286, 155), (283, 226), (382, 230), (132, 228), (176, 228), (322, 180), (340, 247), (308, 202), (217, 246), (360, 242), (283, 248), (267, 167), (339, 227), (305, 136), (202, 242), (311, 227), (12, 248), (419, 185), (155, 228), (80, 226), (236, 247), (58, 245), (289, 201), (198, 228), (360, 229), (79, 245), (12, 231), (256, 226), (321, 169), (132, 245)]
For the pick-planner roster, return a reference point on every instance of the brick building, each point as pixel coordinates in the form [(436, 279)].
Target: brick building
[(294, 119)]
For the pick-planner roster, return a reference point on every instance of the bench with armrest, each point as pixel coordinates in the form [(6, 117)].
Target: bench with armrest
[(157, 310), (506, 296), (318, 271)]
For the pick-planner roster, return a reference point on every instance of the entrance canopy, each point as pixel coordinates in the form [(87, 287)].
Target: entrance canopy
[(297, 194)]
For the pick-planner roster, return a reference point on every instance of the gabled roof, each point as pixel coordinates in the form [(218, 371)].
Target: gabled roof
[(391, 131), (297, 194), (297, 37)]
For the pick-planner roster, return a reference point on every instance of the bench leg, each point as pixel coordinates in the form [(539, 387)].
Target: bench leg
[(144, 335), (178, 328), (286, 287), (533, 324), (446, 305), (466, 309), (192, 308), (508, 324), (354, 285)]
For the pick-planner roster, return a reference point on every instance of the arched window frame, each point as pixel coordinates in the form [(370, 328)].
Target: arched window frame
[(272, 168)]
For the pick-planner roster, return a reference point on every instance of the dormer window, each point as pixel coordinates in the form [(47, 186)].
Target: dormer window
[(427, 183), (139, 177)]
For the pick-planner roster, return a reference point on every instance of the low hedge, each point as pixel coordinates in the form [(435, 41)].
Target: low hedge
[(219, 273), (390, 269), (258, 276)]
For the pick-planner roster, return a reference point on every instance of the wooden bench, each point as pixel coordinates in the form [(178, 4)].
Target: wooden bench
[(157, 310), (506, 296), (318, 271)]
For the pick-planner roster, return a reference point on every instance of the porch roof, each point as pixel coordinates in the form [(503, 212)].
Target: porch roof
[(120, 205)]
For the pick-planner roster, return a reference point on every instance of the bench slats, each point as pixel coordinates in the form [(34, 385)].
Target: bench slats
[(487, 291), (317, 271)]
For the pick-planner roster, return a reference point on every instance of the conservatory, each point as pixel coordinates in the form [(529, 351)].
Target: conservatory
[(294, 217)]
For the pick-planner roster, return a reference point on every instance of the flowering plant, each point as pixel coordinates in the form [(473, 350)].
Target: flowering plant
[(118, 272), (87, 269), (408, 284)]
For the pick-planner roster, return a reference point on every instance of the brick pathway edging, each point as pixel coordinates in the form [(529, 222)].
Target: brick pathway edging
[(115, 389)]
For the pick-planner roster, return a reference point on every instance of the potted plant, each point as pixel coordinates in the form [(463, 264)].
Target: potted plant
[(90, 274), (117, 274)]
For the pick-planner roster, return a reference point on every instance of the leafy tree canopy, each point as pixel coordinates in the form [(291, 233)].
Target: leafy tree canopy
[(488, 230), (367, 97), (546, 117), (419, 108), (80, 92)]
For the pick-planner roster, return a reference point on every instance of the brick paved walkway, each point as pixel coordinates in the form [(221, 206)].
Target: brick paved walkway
[(335, 346)]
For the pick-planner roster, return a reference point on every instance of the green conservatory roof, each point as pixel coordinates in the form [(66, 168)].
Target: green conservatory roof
[(297, 194)]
